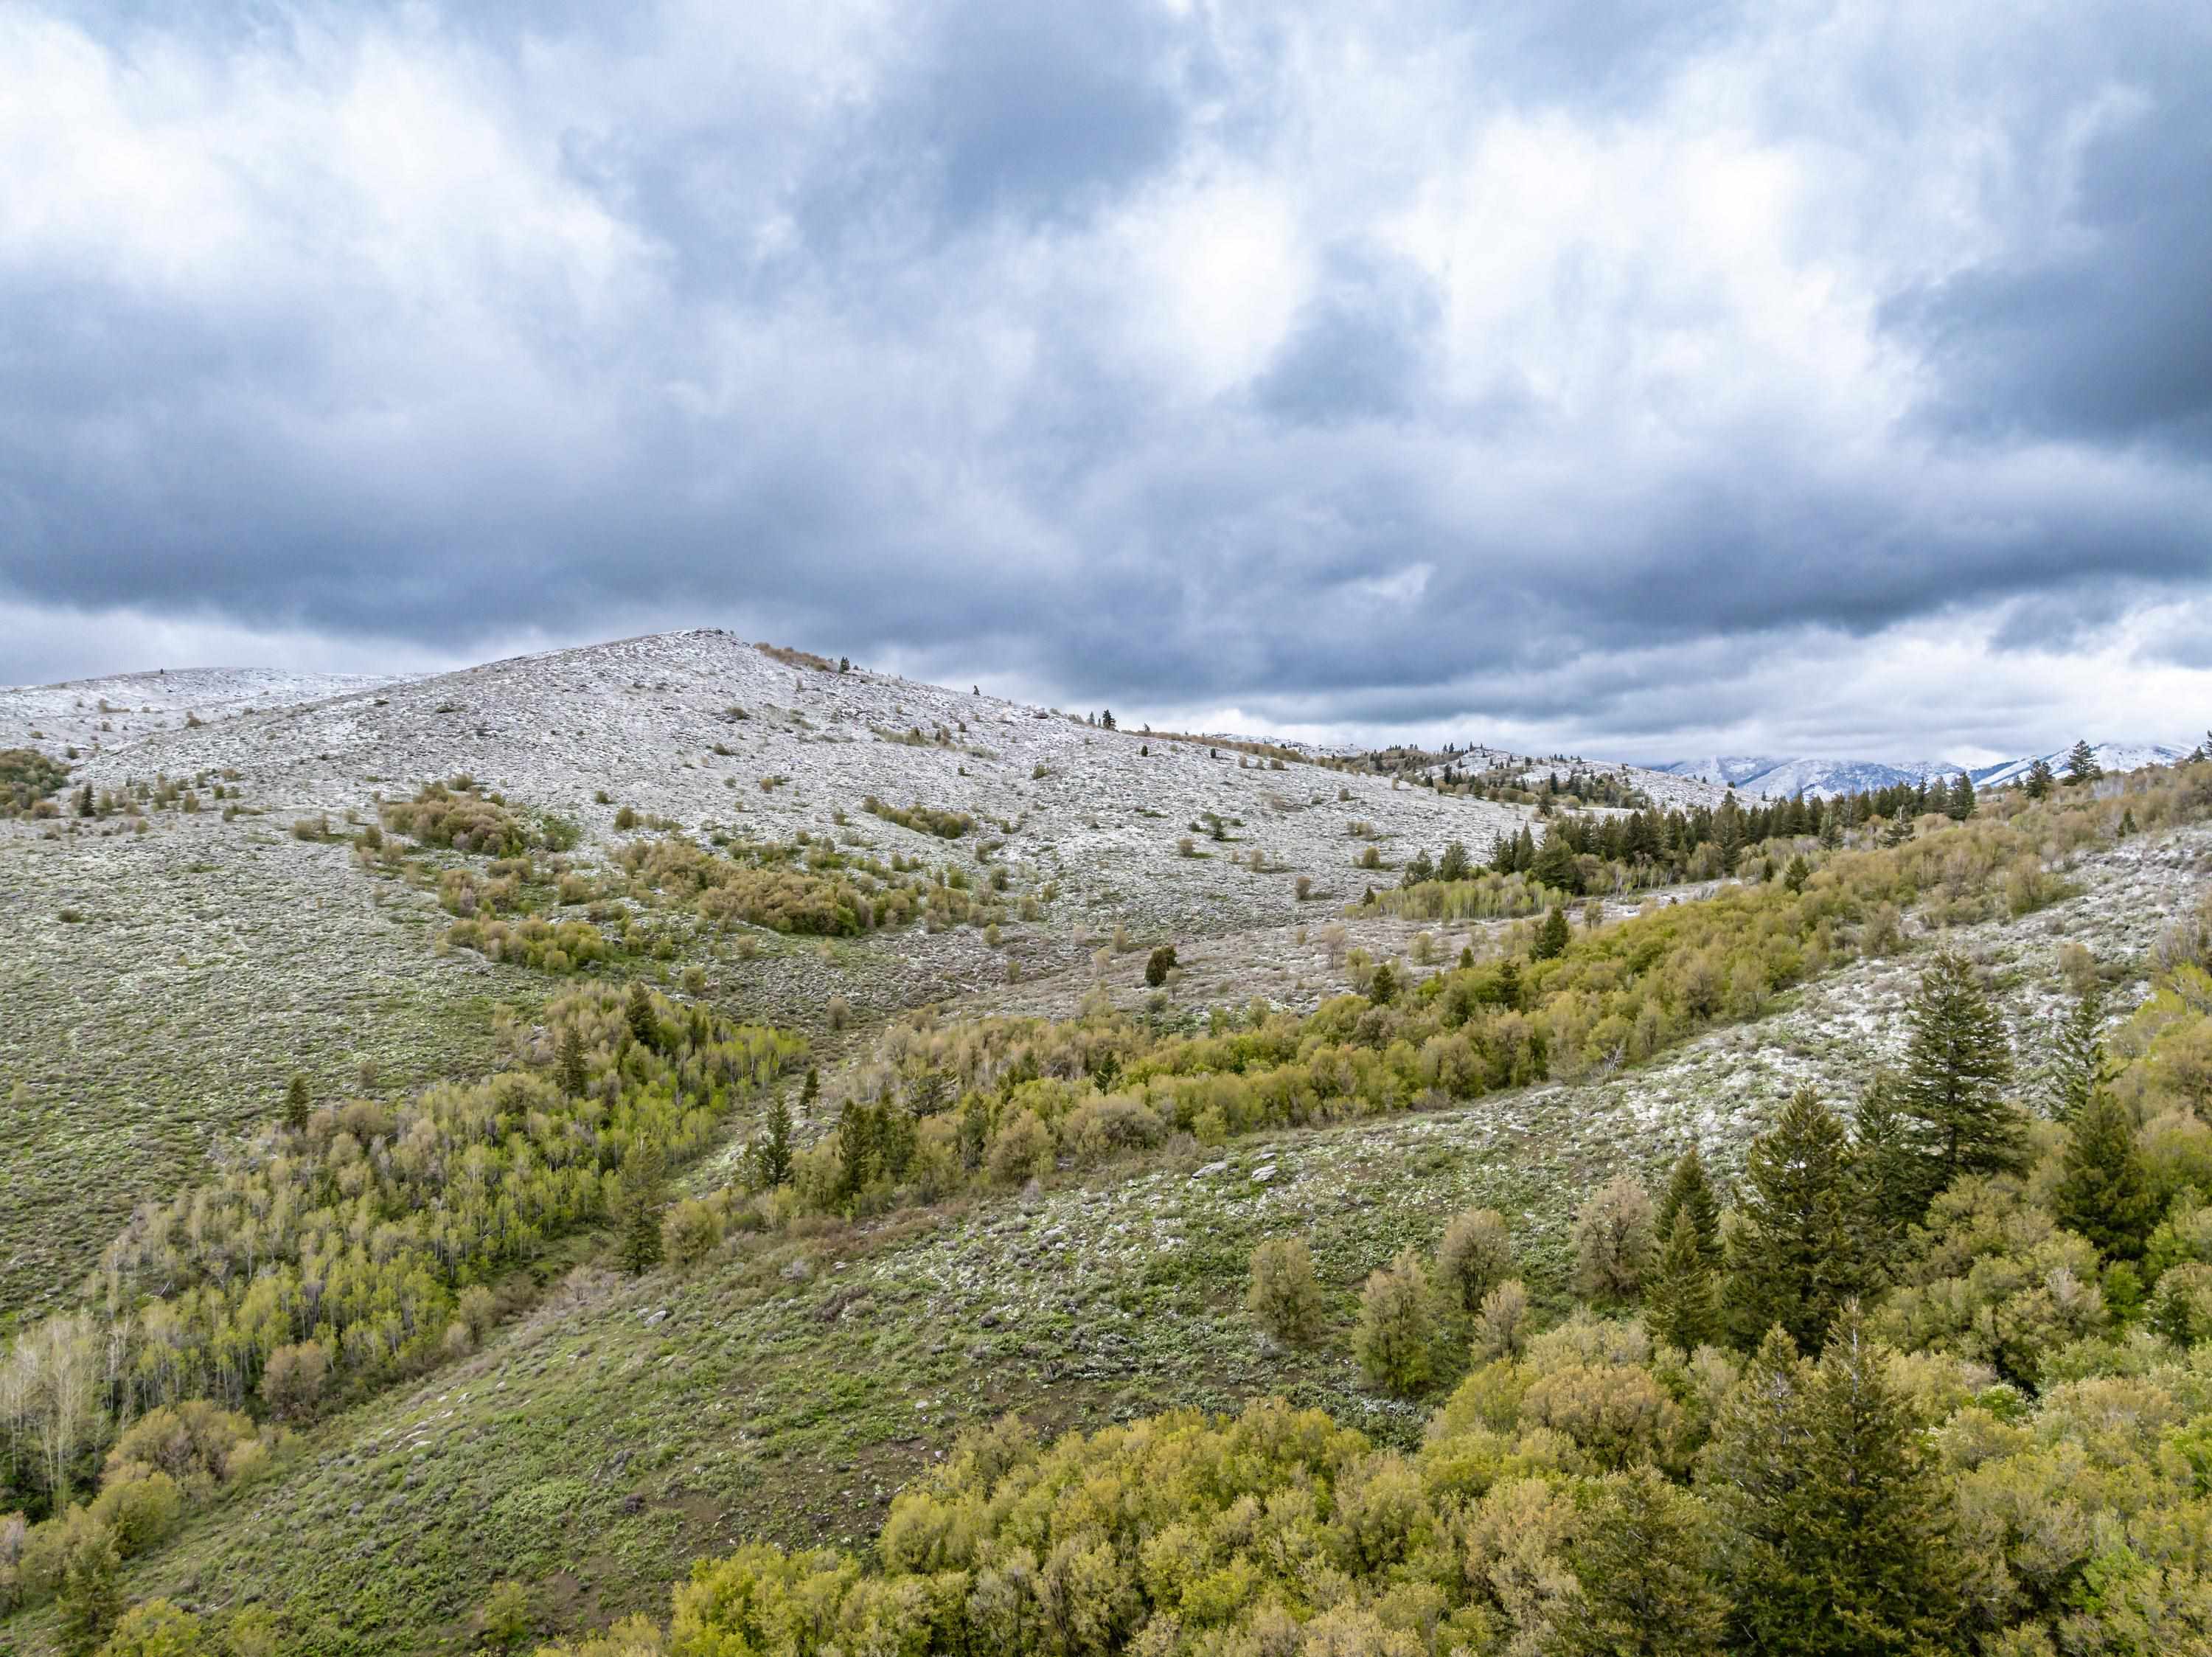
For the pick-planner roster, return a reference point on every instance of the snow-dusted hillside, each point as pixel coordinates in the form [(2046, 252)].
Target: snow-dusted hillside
[(118, 711), (2113, 756), (1756, 776), (1668, 790), (710, 731)]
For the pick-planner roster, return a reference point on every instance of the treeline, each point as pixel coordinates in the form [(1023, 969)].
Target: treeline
[(1003, 1100), (1583, 852), (355, 1243)]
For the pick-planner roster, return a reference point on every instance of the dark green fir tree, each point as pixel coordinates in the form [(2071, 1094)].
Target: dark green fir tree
[(1958, 1062), (2104, 1191)]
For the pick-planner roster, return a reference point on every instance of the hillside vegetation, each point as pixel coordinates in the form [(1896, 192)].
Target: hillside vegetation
[(824, 1224)]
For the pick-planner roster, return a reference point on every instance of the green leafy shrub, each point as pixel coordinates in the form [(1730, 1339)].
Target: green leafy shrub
[(452, 815), (1284, 1296)]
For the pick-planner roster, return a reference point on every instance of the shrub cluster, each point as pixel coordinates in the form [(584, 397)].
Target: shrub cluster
[(922, 819), (453, 815), (554, 947), (778, 887), (811, 888), (28, 777)]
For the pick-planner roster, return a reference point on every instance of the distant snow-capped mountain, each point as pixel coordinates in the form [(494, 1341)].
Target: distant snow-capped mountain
[(2113, 756), (1754, 775), (1778, 779)]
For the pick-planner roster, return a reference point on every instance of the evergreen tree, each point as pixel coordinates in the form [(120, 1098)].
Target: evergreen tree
[(639, 1010), (1454, 865), (1509, 984), (2040, 780), (1797, 1255), (772, 1159), (1958, 1060), (809, 1091), (1556, 867), (1895, 1178), (2077, 1067), (297, 1104), (575, 1078), (637, 1214), (2081, 764), (1383, 988), (1727, 833), (1835, 1526), (1798, 873), (1553, 935), (1690, 1190), (1683, 1306), (1640, 1561), (1960, 804), (2104, 1192)]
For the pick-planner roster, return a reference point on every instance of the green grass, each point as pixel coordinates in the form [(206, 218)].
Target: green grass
[(792, 1387), (170, 1017)]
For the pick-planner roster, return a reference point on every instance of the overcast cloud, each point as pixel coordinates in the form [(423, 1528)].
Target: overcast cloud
[(1631, 377)]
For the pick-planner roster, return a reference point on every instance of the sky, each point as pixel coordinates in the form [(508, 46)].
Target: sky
[(1629, 377)]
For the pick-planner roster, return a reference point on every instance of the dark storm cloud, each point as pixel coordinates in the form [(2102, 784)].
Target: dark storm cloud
[(1357, 350), (1378, 369), (2092, 322), (2107, 336)]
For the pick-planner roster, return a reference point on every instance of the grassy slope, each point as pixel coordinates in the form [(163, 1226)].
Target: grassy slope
[(211, 960), (788, 1389)]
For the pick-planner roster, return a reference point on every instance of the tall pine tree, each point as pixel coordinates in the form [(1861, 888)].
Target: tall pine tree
[(1797, 1254), (1836, 1526), (2081, 764), (2077, 1067), (1958, 1061), (2040, 780), (643, 1194), (1551, 936), (1690, 1190), (1896, 1179), (1683, 1306), (772, 1152), (297, 1104), (2104, 1191), (639, 1010), (1960, 805), (574, 1077)]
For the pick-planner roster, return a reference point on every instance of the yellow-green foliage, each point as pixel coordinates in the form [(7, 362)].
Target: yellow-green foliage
[(2077, 1522), (361, 1233), (454, 815), (922, 819), (1485, 896), (28, 777), (555, 946), (811, 889), (771, 888)]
